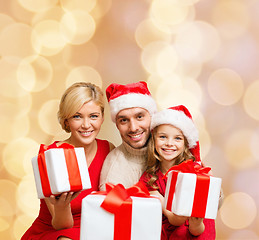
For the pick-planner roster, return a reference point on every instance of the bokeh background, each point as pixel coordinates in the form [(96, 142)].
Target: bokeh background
[(203, 54)]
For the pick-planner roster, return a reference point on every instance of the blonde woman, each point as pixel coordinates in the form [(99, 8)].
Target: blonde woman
[(81, 113)]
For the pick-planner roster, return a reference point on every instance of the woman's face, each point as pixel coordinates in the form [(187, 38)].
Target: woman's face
[(169, 142), (85, 124)]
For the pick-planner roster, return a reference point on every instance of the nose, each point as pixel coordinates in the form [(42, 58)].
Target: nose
[(169, 142), (86, 123), (133, 126)]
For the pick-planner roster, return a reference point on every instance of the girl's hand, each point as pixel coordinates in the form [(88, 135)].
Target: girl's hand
[(196, 226)]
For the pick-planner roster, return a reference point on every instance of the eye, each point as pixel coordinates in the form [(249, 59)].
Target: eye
[(123, 120), (162, 136), (76, 116), (179, 138), (94, 116), (139, 117)]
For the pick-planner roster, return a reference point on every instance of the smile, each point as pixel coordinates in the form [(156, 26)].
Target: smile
[(136, 137), (86, 133)]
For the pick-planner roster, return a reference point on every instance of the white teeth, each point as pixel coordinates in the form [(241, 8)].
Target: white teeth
[(136, 136)]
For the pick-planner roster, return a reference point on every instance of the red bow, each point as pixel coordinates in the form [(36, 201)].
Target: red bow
[(189, 166), (118, 201)]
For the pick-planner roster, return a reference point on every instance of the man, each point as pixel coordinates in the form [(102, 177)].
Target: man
[(131, 107)]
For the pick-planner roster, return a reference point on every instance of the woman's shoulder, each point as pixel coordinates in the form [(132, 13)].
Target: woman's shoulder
[(106, 143)]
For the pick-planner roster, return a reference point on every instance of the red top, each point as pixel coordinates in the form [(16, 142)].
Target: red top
[(42, 228), (170, 232)]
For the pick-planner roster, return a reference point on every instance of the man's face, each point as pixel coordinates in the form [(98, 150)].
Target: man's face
[(134, 126)]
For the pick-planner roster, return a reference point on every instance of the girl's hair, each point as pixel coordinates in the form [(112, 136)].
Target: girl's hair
[(75, 97), (154, 161)]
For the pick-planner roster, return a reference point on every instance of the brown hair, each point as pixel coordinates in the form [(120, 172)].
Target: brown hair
[(75, 97)]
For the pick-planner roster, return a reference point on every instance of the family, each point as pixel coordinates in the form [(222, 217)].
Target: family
[(152, 142)]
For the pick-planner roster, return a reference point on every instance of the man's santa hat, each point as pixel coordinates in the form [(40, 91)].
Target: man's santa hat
[(180, 117), (128, 96)]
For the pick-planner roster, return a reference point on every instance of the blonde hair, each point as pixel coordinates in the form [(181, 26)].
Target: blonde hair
[(154, 161), (75, 97)]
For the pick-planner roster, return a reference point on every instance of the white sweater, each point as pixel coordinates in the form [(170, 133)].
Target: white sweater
[(124, 165)]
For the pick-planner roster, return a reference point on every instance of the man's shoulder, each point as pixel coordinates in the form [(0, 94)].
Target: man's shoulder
[(116, 151)]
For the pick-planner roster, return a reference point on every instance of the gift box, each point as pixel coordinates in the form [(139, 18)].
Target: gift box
[(118, 215), (191, 191), (61, 169)]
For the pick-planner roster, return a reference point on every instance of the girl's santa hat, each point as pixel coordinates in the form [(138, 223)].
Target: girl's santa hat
[(180, 117), (128, 96)]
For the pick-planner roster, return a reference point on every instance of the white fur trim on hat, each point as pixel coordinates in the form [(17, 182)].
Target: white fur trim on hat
[(132, 100), (179, 120)]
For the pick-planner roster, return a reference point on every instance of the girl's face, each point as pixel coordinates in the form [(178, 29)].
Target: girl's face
[(169, 142), (85, 124)]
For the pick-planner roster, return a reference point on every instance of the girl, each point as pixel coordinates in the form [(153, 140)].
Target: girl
[(174, 140), (80, 113)]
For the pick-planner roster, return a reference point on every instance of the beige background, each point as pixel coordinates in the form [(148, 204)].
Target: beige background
[(203, 54)]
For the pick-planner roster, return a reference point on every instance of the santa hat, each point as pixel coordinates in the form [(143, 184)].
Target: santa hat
[(130, 95), (180, 117)]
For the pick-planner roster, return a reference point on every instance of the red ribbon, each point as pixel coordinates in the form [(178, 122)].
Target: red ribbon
[(72, 168), (118, 201), (201, 188)]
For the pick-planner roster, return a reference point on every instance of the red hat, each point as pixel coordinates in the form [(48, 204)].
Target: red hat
[(128, 96), (180, 117)]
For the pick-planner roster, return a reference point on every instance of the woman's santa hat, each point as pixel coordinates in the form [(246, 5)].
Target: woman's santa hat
[(128, 96), (180, 117)]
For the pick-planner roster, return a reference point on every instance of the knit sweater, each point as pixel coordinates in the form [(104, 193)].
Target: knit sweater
[(124, 165)]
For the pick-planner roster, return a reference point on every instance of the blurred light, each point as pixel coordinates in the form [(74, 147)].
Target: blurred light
[(170, 93), (5, 20), (251, 99), (37, 6), (225, 86), (238, 210), (205, 141), (77, 55), (48, 117), (255, 143), (9, 85), (197, 41), (13, 128), (101, 9), (238, 150), (47, 38), (7, 198), (85, 5), (54, 13), (217, 124), (168, 12), (17, 156), (9, 44), (146, 33), (27, 199), (77, 26), (151, 54), (84, 74), (231, 18), (246, 181), (4, 225), (243, 234), (34, 73), (20, 225), (167, 61)]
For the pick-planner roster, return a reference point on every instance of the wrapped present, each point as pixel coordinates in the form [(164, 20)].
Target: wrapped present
[(119, 213), (61, 169), (191, 191)]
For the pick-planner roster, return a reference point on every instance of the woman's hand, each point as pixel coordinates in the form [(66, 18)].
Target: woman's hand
[(196, 226), (60, 210)]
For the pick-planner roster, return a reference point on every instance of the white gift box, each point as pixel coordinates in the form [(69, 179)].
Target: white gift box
[(57, 171), (179, 197), (98, 224)]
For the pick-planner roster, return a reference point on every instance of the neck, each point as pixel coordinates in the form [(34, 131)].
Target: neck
[(166, 165)]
